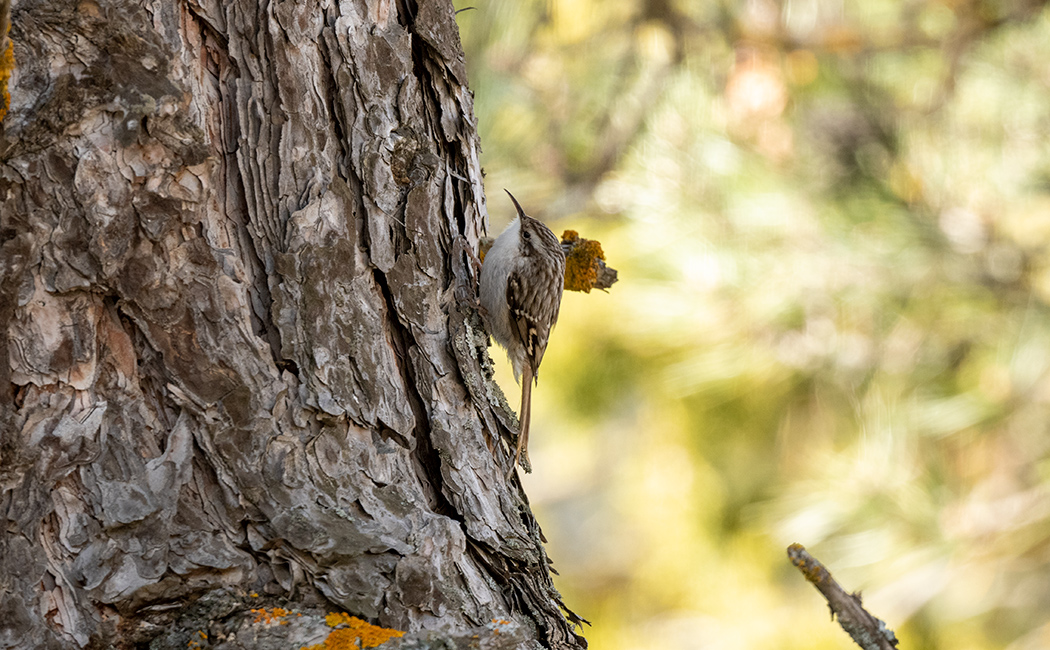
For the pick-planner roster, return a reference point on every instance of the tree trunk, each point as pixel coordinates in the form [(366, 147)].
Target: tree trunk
[(243, 354)]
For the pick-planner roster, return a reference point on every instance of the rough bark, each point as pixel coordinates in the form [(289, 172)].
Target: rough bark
[(237, 298)]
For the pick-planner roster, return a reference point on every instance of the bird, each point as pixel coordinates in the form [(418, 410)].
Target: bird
[(522, 277)]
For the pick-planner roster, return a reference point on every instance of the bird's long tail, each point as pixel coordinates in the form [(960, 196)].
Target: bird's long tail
[(524, 418)]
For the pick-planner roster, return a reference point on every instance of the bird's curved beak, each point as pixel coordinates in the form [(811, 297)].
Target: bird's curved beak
[(521, 213)]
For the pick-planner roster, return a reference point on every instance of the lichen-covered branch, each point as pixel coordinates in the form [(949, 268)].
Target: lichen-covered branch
[(867, 631), (585, 266)]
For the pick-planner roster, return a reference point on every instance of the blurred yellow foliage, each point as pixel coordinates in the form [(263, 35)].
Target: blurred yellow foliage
[(832, 324)]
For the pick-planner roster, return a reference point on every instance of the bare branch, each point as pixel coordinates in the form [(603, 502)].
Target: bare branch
[(867, 631)]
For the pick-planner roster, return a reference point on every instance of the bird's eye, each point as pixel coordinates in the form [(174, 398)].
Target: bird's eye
[(527, 234)]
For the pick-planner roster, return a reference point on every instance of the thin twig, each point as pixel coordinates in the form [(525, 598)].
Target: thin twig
[(867, 631)]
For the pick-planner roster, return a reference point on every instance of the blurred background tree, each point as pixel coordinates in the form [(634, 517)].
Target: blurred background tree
[(831, 221)]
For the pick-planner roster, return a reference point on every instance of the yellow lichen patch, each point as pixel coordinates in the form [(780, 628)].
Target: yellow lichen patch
[(268, 616), (582, 262), (353, 634), (335, 619)]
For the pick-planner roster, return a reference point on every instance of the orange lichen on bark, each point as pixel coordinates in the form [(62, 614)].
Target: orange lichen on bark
[(335, 619), (356, 634), (582, 262), (193, 643), (7, 64), (268, 616), (338, 640), (814, 571)]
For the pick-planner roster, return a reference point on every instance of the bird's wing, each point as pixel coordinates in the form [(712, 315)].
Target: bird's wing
[(534, 309)]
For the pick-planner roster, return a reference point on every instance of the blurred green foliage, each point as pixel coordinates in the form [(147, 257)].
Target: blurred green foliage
[(831, 221)]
